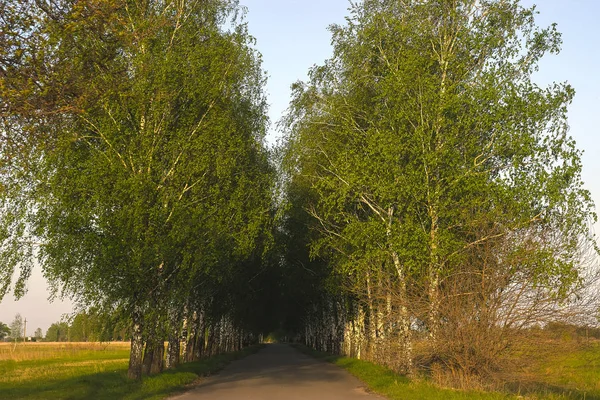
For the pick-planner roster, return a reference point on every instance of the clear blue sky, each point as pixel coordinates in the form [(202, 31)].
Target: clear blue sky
[(292, 36)]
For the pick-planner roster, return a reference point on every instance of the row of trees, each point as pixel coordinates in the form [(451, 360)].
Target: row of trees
[(15, 331), (133, 165), (430, 192), (440, 184), (88, 326)]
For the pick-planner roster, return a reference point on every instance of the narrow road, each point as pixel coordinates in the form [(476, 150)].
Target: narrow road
[(279, 372)]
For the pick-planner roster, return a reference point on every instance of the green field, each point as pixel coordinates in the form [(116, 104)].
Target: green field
[(563, 372), (553, 371), (90, 371)]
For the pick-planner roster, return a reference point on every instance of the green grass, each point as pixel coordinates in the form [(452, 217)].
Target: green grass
[(579, 369), (566, 374), (574, 375), (100, 374)]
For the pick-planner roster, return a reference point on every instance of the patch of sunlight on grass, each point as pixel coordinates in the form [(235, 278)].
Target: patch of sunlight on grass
[(49, 350)]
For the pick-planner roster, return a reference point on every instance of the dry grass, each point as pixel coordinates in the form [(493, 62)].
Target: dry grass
[(52, 350), (51, 361)]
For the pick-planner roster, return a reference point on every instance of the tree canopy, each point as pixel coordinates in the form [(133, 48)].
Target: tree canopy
[(435, 162), (147, 122), (4, 330)]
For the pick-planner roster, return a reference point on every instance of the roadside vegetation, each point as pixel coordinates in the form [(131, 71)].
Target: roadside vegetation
[(439, 191), (92, 371), (555, 369), (134, 171)]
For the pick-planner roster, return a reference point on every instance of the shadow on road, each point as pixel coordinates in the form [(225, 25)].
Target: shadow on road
[(280, 371)]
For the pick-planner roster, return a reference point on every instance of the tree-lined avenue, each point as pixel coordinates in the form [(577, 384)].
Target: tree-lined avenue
[(425, 209)]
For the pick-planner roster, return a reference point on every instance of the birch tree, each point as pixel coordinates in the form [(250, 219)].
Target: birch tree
[(425, 138), (16, 328), (152, 167)]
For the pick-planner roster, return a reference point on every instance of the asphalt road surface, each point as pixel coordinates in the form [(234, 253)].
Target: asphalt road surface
[(279, 372)]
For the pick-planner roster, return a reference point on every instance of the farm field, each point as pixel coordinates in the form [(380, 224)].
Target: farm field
[(90, 371)]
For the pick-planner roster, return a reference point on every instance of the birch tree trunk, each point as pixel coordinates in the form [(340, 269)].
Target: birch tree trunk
[(192, 327), (135, 357), (173, 350), (200, 335), (434, 276), (158, 361), (405, 331), (149, 352), (174, 347), (372, 327)]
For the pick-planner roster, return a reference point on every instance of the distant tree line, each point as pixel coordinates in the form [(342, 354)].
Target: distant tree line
[(88, 327)]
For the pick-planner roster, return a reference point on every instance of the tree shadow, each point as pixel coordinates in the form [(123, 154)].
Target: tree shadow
[(279, 365)]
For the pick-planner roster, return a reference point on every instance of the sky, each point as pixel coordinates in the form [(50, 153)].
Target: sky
[(292, 36)]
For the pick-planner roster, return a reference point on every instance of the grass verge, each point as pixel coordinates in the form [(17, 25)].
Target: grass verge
[(567, 376), (385, 382), (100, 375)]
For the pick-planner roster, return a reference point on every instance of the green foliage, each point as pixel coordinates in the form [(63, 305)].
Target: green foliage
[(150, 160), (84, 328), (4, 330), (424, 135), (297, 280), (88, 326), (93, 326), (58, 332), (441, 179), (16, 327), (146, 122)]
